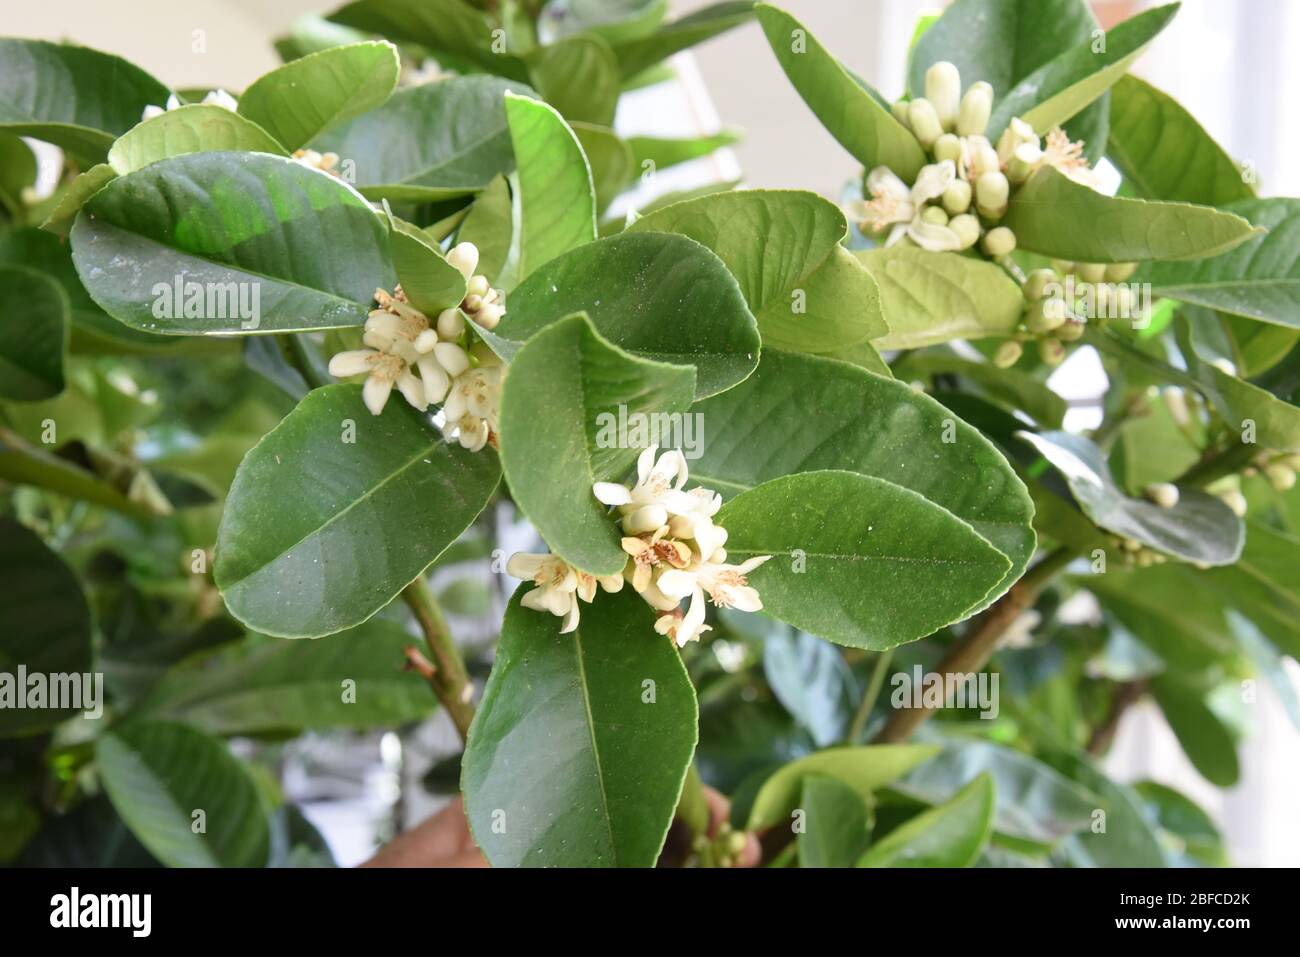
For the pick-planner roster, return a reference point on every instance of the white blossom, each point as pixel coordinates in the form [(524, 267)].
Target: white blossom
[(560, 586), (726, 586)]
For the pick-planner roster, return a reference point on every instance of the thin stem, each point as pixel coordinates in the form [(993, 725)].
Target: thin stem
[(1126, 694), (869, 698), (449, 680), (973, 651)]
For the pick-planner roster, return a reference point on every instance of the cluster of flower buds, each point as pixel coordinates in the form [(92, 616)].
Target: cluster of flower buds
[(1062, 299), (325, 162), (464, 375), (1278, 467), (726, 848), (675, 551), (1135, 553), (484, 305), (959, 199), (215, 98)]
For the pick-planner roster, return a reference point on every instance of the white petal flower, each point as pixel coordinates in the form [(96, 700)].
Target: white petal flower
[(383, 370), (932, 181), (560, 586), (658, 483), (218, 98), (932, 236), (890, 203)]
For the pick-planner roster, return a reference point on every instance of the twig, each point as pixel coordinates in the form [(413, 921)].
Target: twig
[(449, 680)]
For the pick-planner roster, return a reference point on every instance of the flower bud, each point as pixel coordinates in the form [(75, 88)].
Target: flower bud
[(1046, 315), (1070, 331), (947, 147), (943, 89), (983, 157), (1235, 501), (899, 109), (1037, 282), (956, 198), (1023, 162), (450, 323), (1163, 494), (1063, 266), (991, 191), (924, 121), (425, 342), (999, 242), (1051, 351), (1119, 272), (478, 286), (935, 215), (451, 357), (1008, 354), (1090, 272), (645, 519), (1017, 133), (967, 228), (490, 315), (1280, 476), (464, 256), (976, 106)]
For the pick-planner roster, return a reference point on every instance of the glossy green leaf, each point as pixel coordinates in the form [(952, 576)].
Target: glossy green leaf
[(1017, 390), (1164, 153), (640, 53), (860, 121), (1259, 279), (662, 153), (812, 680), (551, 471), (864, 769), (307, 96), (950, 835), (835, 416), (75, 97), (306, 545), (17, 171), (489, 225), (430, 282), (930, 298), (1053, 215), (26, 465), (1268, 660), (1195, 837), (1127, 841), (1063, 86), (191, 129), (835, 823), (580, 746), (354, 679), (783, 247), (1170, 611), (646, 293), (557, 198), (1200, 528), (451, 27), (612, 165), (161, 776), (428, 143), (92, 834), (1204, 738), (579, 76), (858, 560), (34, 335), (44, 628), (611, 19), (231, 226), (86, 185), (1033, 802)]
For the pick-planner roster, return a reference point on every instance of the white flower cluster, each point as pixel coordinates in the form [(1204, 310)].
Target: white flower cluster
[(216, 98), (958, 199), (464, 376), (675, 551)]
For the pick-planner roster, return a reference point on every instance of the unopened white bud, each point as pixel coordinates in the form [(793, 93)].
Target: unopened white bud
[(451, 357), (489, 315), (899, 109), (1070, 331), (1090, 272), (1235, 501), (1047, 315), (1051, 351), (1280, 476), (645, 519), (991, 191), (999, 242), (478, 286), (947, 147), (976, 106), (967, 228), (943, 89), (1008, 354), (425, 341), (956, 198), (1119, 272), (983, 157), (935, 215), (1037, 282), (924, 121), (464, 256), (1023, 162), (1163, 494), (450, 323)]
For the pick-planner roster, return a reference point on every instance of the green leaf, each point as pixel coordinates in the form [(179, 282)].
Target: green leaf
[(299, 100), (858, 560), (1267, 659), (612, 166), (86, 185), (649, 294), (579, 76), (836, 416), (1017, 390), (352, 680), (1033, 802), (783, 247), (641, 53), (930, 297), (17, 171), (443, 26), (430, 142), (490, 227), (835, 823), (23, 465), (950, 835), (307, 546), (309, 248), (1192, 831), (1164, 153), (1053, 215), (34, 335), (1171, 610), (92, 834), (582, 741), (663, 153), (44, 627), (585, 384), (190, 129), (864, 769), (1260, 279), (1063, 86), (1200, 528), (160, 775), (611, 19), (860, 121), (812, 680), (557, 198), (75, 97), (1127, 841), (1204, 738), (430, 282)]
